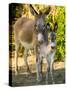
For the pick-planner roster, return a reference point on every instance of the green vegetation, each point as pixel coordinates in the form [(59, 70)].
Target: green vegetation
[(60, 18), (57, 15)]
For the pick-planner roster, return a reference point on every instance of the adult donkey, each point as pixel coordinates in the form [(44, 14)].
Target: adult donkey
[(25, 30)]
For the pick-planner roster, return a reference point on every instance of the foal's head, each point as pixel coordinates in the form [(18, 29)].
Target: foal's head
[(43, 35), (52, 36)]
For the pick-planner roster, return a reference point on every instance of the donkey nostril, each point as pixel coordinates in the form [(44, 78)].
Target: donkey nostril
[(53, 47)]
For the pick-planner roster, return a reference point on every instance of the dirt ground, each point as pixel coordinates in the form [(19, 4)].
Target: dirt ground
[(30, 79), (27, 79)]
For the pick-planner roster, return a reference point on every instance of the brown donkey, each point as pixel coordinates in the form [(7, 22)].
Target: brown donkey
[(25, 30)]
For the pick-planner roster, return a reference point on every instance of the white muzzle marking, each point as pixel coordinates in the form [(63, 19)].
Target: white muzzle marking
[(53, 44), (40, 37)]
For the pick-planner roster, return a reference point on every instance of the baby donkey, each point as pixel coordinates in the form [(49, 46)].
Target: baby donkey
[(46, 51)]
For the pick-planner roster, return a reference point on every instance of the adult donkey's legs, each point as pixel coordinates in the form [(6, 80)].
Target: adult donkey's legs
[(16, 56), (39, 67), (25, 59)]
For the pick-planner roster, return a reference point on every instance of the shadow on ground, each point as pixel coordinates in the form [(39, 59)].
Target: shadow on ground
[(30, 79)]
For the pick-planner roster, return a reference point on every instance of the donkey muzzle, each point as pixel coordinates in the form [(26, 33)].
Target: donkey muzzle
[(53, 47), (40, 37)]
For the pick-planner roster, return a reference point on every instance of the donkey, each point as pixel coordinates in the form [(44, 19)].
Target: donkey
[(46, 51), (25, 30)]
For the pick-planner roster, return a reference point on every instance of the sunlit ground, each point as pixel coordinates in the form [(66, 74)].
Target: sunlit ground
[(26, 79)]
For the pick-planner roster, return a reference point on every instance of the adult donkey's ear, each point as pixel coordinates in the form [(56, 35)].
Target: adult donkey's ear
[(55, 26), (33, 10), (47, 11)]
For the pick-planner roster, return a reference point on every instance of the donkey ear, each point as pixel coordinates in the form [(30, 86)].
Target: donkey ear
[(32, 10), (48, 26), (55, 26), (47, 11)]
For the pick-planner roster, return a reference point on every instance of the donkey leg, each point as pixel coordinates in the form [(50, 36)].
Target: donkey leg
[(41, 68), (25, 59), (51, 71), (51, 66), (47, 72), (16, 59), (39, 71)]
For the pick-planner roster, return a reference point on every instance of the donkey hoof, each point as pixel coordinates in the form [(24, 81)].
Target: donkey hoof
[(46, 82), (39, 79), (53, 82)]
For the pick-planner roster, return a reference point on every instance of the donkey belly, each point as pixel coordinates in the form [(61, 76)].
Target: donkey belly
[(27, 45)]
